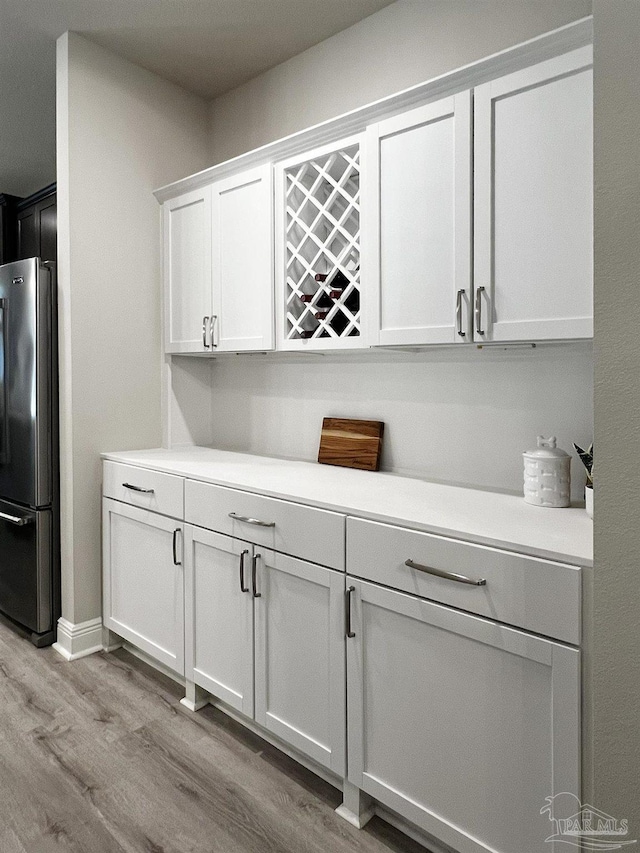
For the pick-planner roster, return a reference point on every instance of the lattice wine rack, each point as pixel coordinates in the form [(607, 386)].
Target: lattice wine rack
[(322, 221)]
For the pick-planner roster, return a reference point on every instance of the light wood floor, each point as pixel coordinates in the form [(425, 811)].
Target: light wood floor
[(98, 756)]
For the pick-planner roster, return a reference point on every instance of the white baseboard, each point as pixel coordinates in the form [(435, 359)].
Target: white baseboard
[(80, 639)]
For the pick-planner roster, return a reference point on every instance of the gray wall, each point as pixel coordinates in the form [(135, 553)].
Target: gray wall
[(402, 45), (614, 725), (122, 132), (459, 415)]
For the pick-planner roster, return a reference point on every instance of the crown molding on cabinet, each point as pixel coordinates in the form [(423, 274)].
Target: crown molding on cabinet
[(559, 41)]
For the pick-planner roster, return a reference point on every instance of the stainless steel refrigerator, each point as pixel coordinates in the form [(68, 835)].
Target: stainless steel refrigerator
[(29, 480)]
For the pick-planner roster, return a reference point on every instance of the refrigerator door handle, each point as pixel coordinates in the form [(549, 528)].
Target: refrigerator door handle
[(16, 519)]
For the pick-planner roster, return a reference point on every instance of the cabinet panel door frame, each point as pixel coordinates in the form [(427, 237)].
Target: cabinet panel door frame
[(174, 290), (159, 522), (486, 96), (331, 755), (259, 247), (565, 688), (243, 701), (458, 108)]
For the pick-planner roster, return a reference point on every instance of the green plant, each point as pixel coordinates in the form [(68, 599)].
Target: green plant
[(586, 457)]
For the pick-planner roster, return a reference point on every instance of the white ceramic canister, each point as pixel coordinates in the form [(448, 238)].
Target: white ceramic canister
[(547, 474)]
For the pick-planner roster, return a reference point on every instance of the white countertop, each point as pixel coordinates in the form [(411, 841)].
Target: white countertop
[(489, 518)]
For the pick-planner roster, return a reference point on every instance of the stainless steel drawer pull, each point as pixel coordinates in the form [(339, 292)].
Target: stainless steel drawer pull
[(254, 572), (205, 322), (138, 489), (450, 576), (15, 519), (255, 521), (243, 588)]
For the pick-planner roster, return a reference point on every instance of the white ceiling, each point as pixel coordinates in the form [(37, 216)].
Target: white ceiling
[(206, 46)]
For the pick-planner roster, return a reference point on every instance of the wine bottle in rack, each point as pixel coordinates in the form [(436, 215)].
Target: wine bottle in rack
[(352, 302), (324, 300), (307, 333), (338, 281), (306, 297)]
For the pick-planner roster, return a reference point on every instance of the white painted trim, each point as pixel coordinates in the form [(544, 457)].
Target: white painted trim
[(547, 46), (357, 807), (80, 639)]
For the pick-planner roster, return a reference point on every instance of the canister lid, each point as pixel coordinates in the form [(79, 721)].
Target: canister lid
[(546, 449)]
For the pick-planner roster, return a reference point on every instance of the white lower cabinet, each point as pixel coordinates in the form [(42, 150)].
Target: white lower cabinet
[(219, 617), (403, 677), (265, 634), (143, 584), (460, 724)]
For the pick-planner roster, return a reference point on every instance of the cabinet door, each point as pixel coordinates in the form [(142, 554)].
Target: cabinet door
[(420, 172), (242, 266), (143, 584), (187, 271), (219, 616), (533, 243), (300, 668), (461, 725)]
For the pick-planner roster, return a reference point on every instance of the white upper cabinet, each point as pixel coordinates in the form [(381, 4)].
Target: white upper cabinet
[(533, 247), (218, 266), (419, 178), (242, 262), (468, 219), (318, 226), (187, 271)]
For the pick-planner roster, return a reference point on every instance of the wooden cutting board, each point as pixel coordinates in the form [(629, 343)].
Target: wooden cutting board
[(351, 443)]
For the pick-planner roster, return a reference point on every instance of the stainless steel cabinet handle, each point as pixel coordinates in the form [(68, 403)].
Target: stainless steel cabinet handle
[(176, 561), (15, 519), (254, 573), (243, 588), (347, 616), (450, 576), (255, 521), (460, 330), (478, 312), (212, 327), (205, 323), (138, 489)]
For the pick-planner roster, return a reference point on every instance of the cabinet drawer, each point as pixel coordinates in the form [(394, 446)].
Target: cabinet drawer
[(527, 592), (163, 493), (313, 534)]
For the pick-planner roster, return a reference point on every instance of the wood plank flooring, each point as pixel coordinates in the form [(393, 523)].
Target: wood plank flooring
[(98, 756)]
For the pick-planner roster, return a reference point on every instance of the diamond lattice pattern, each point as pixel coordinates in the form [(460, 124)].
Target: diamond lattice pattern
[(323, 246)]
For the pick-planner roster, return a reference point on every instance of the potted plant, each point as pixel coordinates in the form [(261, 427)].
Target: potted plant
[(586, 457)]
